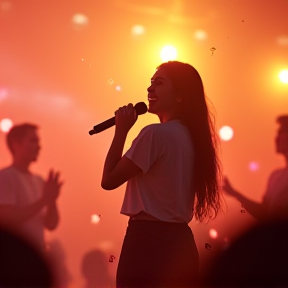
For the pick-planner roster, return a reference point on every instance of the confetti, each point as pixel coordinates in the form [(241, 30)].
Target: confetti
[(112, 258), (213, 49), (110, 81), (208, 246)]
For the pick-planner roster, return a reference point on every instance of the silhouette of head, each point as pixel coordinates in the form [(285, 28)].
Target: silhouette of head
[(94, 269), (23, 142)]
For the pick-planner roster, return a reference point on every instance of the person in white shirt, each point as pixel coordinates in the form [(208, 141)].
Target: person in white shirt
[(172, 169), (274, 205), (27, 202)]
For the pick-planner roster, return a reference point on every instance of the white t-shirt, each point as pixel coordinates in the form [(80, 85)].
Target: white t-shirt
[(20, 190), (276, 196), (164, 152)]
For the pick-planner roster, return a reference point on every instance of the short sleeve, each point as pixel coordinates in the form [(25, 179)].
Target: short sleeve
[(146, 148), (7, 194)]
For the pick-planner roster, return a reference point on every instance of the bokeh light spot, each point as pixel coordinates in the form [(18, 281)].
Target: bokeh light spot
[(80, 19), (5, 125), (282, 40), (95, 218), (168, 52), (5, 6), (118, 88), (226, 133), (3, 94), (253, 166), (283, 75), (213, 233), (137, 30), (200, 35)]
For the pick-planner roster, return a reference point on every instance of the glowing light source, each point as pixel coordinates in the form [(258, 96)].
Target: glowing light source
[(200, 35), (118, 88), (168, 52), (95, 219), (226, 133), (80, 19), (213, 233), (253, 166), (5, 125), (283, 75), (138, 30)]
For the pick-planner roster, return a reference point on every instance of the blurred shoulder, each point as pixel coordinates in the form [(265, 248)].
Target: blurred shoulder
[(6, 171)]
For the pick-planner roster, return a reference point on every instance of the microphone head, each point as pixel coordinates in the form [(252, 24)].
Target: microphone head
[(141, 108)]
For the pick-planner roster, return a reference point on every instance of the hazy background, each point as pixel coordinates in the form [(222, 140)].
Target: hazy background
[(56, 70)]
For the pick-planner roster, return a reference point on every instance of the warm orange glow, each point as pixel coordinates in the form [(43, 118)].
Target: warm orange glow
[(67, 68), (168, 52), (283, 75), (200, 34), (138, 30)]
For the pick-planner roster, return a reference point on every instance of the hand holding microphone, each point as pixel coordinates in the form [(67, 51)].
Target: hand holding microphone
[(125, 117)]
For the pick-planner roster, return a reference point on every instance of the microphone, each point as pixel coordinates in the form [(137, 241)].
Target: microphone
[(141, 108)]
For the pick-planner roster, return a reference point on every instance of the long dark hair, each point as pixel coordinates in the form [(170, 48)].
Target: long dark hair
[(197, 117)]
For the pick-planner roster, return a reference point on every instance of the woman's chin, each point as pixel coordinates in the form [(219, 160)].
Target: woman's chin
[(151, 110)]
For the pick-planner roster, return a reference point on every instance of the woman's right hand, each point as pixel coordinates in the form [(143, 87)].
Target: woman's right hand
[(125, 118)]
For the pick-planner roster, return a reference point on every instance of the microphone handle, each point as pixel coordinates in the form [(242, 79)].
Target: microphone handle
[(103, 126), (141, 108)]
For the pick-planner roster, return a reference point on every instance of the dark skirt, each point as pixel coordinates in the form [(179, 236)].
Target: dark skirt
[(158, 254)]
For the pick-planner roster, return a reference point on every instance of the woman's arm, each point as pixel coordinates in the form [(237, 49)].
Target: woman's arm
[(117, 169), (257, 210)]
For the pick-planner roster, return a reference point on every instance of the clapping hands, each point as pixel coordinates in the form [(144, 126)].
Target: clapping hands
[(52, 187)]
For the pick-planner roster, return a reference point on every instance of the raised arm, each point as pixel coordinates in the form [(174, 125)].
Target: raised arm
[(14, 215), (117, 169), (51, 193), (257, 210)]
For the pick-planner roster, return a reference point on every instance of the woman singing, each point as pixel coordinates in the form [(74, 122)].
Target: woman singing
[(172, 173)]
